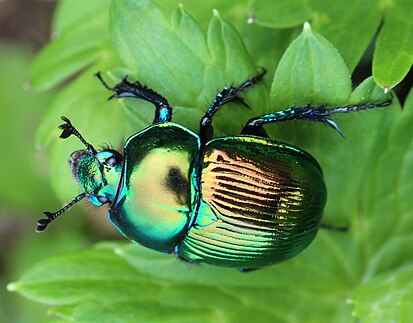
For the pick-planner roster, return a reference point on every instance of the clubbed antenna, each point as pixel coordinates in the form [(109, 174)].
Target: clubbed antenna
[(69, 129), (43, 223)]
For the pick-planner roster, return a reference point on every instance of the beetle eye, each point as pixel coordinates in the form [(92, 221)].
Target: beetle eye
[(111, 161), (102, 199)]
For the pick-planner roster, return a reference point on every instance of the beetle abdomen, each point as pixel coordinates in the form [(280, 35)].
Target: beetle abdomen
[(262, 202)]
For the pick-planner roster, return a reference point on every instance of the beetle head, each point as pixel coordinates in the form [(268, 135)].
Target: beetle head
[(97, 173)]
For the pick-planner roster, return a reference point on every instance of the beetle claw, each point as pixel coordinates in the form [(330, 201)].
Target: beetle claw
[(334, 125)]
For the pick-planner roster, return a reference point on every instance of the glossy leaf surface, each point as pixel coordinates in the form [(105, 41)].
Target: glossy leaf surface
[(350, 27), (394, 50)]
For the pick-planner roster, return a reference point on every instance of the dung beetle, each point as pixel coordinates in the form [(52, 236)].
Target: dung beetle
[(243, 201)]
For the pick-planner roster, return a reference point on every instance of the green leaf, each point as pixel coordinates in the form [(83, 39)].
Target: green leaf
[(311, 70), (387, 298), (281, 13), (387, 192), (63, 312), (348, 25), (104, 284), (235, 11), (77, 276), (119, 311), (169, 52), (142, 51), (394, 49), (265, 45), (185, 65), (85, 10), (22, 173), (70, 51), (368, 92)]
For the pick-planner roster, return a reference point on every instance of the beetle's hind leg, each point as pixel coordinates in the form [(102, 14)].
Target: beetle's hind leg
[(308, 112), (246, 270), (331, 227), (230, 94), (128, 89)]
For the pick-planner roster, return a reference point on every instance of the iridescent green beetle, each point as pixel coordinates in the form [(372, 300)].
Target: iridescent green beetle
[(243, 201)]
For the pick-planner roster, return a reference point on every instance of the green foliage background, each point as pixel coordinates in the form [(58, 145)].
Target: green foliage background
[(188, 52)]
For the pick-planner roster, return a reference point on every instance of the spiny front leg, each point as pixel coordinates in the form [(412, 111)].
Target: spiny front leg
[(230, 94), (128, 89)]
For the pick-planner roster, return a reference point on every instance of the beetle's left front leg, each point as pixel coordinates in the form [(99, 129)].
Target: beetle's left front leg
[(127, 89), (223, 97)]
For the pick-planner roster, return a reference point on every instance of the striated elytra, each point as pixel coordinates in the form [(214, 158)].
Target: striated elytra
[(243, 201)]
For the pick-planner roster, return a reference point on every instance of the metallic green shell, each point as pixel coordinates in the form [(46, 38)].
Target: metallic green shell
[(262, 203), (157, 191)]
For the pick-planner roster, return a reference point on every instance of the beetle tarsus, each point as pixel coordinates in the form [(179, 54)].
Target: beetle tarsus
[(353, 108)]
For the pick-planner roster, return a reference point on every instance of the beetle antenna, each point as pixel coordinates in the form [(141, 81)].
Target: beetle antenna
[(69, 129), (43, 223)]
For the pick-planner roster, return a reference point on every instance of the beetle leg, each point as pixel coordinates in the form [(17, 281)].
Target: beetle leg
[(334, 228), (246, 270), (230, 94), (128, 89), (308, 112)]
